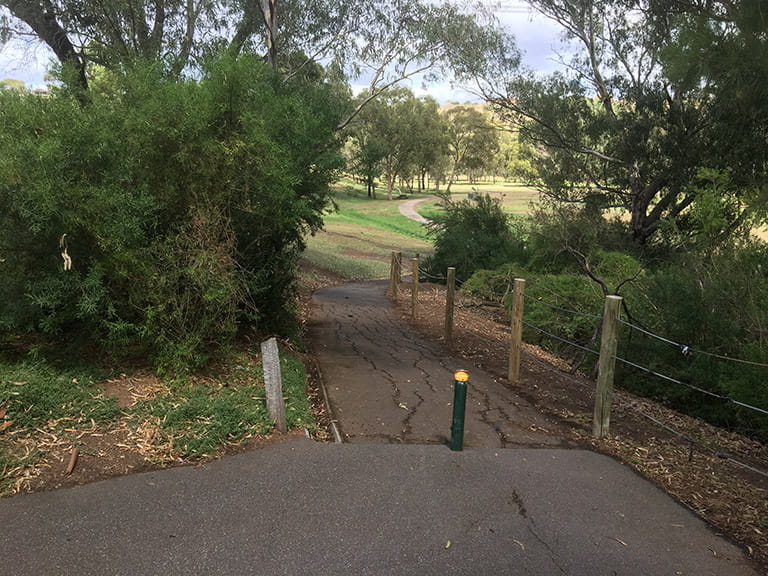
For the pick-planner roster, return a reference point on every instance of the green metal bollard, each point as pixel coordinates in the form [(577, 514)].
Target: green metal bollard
[(460, 380)]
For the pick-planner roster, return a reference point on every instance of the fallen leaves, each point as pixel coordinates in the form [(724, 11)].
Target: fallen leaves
[(7, 423)]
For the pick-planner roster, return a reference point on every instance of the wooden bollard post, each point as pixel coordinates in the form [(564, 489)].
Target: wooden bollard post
[(399, 267), (606, 366), (393, 275), (414, 286), (516, 336), (450, 295), (273, 383)]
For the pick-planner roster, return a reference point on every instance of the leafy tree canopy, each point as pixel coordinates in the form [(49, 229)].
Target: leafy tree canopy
[(380, 41), (631, 123)]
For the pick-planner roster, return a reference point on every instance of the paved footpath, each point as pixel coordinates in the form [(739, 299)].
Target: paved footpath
[(379, 509), (408, 209), (373, 508), (386, 384)]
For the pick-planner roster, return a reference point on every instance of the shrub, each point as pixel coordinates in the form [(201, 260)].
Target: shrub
[(472, 235), (182, 204)]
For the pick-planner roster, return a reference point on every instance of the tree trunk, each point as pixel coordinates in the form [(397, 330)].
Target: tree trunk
[(269, 11), (451, 178), (41, 18), (390, 178)]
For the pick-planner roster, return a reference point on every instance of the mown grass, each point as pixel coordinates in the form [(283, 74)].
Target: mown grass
[(359, 237), (515, 198), (354, 207)]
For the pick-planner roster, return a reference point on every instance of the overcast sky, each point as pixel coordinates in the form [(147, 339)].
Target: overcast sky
[(537, 37)]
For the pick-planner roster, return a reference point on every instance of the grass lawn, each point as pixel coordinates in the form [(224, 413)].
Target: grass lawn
[(359, 238), (515, 198)]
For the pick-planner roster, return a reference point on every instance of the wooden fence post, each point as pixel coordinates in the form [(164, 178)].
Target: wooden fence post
[(273, 383), (414, 286), (399, 267), (393, 275), (450, 295), (516, 336), (606, 366)]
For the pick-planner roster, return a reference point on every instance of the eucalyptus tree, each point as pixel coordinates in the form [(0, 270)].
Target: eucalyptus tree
[(722, 46), (379, 42), (617, 129), (385, 135), (115, 34), (472, 140), (430, 147), (399, 136)]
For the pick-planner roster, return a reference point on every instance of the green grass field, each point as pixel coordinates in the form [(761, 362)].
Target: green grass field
[(359, 238), (515, 198)]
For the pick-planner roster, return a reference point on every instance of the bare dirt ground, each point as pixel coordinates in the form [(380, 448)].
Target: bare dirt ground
[(731, 498)]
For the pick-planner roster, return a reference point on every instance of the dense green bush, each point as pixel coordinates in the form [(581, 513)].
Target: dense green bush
[(551, 297), (712, 306), (709, 306), (182, 205), (472, 235)]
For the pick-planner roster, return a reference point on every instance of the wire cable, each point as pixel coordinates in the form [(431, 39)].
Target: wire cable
[(692, 441), (560, 373), (552, 306), (684, 349), (689, 350), (691, 386), (738, 463)]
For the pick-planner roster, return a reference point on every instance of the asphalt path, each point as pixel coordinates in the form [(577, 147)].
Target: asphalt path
[(386, 384), (408, 209), (307, 508)]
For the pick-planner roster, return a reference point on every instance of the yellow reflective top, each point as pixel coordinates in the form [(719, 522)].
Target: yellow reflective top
[(461, 376)]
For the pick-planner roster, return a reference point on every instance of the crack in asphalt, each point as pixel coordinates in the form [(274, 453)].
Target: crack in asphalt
[(484, 415), (407, 430), (379, 366), (552, 553)]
